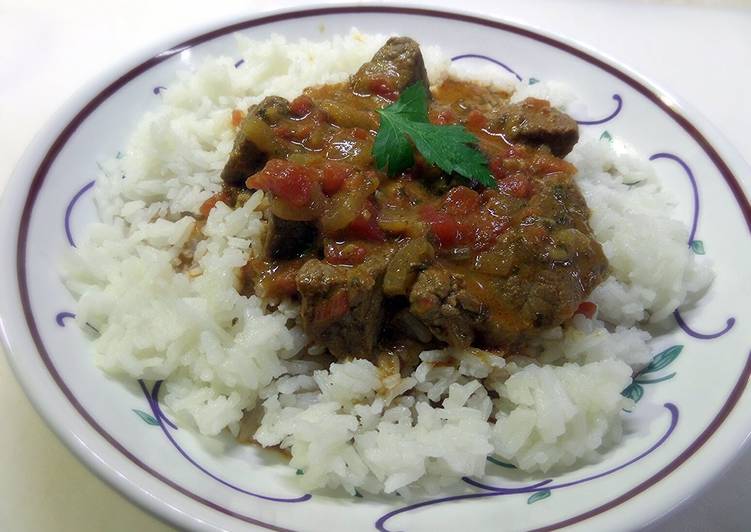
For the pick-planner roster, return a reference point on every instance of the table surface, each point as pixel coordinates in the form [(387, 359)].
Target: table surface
[(48, 49)]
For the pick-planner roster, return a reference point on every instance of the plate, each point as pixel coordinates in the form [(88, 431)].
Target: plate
[(692, 415)]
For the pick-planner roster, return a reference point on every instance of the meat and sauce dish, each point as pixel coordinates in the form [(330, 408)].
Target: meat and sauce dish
[(390, 264), (388, 270)]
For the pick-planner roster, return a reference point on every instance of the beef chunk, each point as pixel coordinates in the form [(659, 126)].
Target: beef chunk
[(439, 300), (396, 66), (534, 121), (254, 143), (287, 239), (341, 305)]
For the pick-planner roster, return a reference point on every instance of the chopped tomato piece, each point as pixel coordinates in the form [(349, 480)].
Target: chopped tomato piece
[(497, 168), (237, 117), (209, 204), (365, 226), (587, 308), (476, 120), (288, 181), (516, 185), (301, 106), (333, 178), (383, 87), (461, 201), (444, 226)]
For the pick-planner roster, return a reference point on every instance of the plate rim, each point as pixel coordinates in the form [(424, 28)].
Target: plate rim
[(110, 81)]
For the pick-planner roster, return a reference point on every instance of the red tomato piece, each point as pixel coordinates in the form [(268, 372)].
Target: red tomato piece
[(461, 201), (444, 226), (516, 185), (333, 178), (237, 117), (476, 120), (365, 226), (301, 106), (497, 168), (383, 87), (288, 181), (587, 308), (209, 204)]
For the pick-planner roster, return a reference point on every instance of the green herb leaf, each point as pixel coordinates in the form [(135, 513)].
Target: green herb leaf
[(538, 496), (532, 81), (606, 136), (451, 148), (662, 359), (148, 418), (299, 472)]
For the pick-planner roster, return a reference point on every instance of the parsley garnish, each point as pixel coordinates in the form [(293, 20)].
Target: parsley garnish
[(450, 147)]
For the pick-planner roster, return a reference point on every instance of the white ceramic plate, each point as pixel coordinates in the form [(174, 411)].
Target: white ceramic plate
[(692, 416)]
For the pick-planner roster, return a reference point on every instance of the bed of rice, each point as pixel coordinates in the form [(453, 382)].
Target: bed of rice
[(223, 354)]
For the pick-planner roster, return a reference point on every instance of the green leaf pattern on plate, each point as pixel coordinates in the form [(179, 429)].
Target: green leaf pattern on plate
[(538, 496), (697, 246), (148, 418), (662, 359), (634, 391)]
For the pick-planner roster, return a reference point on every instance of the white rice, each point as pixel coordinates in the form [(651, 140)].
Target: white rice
[(222, 354)]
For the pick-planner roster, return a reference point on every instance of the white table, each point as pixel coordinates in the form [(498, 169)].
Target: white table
[(698, 52)]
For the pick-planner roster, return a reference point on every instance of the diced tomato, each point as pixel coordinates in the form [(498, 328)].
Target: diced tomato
[(461, 201), (587, 308), (516, 185), (237, 117), (383, 87), (209, 204), (551, 165), (365, 226), (476, 120), (301, 105), (350, 254), (288, 181), (333, 178), (497, 168), (332, 308), (444, 226)]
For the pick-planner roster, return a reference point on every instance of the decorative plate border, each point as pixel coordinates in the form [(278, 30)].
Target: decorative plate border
[(59, 143)]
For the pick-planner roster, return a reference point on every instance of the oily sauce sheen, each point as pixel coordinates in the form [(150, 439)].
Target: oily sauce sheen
[(396, 263)]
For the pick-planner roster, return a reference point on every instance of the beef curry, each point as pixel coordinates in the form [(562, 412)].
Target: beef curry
[(420, 258)]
